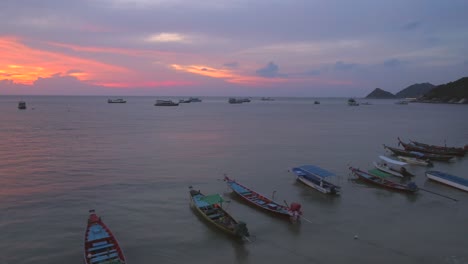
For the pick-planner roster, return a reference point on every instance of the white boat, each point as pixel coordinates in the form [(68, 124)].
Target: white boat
[(415, 161), (450, 180), (394, 167), (352, 102), (116, 101), (315, 178)]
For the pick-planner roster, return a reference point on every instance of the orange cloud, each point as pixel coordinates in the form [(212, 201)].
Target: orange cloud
[(24, 65), (228, 75)]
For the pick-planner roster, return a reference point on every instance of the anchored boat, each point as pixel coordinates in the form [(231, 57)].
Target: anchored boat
[(22, 105), (165, 103), (293, 212), (100, 245), (419, 155), (315, 177), (415, 161), (436, 151), (394, 167), (459, 150), (382, 182), (447, 179), (116, 101), (209, 207)]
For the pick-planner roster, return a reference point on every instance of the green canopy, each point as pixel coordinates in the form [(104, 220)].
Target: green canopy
[(379, 173), (212, 199)]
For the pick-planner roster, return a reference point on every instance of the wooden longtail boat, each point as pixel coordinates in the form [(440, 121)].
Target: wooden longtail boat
[(314, 177), (419, 155), (394, 167), (410, 188), (100, 245), (447, 179), (437, 151), (461, 151), (292, 212), (209, 207), (415, 161)]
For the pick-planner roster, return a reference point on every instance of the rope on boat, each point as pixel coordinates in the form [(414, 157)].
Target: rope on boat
[(441, 195)]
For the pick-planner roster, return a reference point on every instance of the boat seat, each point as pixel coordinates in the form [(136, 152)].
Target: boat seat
[(213, 216), (100, 247), (103, 257), (103, 253), (99, 243)]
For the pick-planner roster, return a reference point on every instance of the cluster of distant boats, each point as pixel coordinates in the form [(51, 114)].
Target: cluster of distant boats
[(353, 102)]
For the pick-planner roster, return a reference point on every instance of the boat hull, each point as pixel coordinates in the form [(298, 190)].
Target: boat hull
[(448, 182), (259, 201), (384, 183), (387, 170), (315, 186), (100, 245)]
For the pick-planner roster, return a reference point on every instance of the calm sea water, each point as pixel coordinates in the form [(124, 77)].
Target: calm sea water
[(133, 163)]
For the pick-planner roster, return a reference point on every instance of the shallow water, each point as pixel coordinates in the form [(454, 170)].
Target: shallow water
[(133, 163)]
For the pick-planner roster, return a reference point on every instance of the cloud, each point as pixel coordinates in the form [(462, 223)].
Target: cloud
[(167, 37), (271, 70), (312, 73), (411, 25), (393, 63), (233, 64), (341, 66)]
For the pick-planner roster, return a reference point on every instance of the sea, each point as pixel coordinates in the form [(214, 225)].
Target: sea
[(134, 163)]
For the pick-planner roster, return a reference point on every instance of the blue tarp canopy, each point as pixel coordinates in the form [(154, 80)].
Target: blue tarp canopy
[(312, 170)]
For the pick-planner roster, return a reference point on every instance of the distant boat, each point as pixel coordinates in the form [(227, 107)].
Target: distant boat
[(352, 102), (419, 155), (316, 102), (394, 167), (382, 182), (210, 208), (450, 180), (315, 177), (195, 99), (438, 151), (116, 101), (184, 101), (460, 150), (415, 161), (235, 101), (402, 102), (100, 245), (293, 212), (267, 99), (22, 105), (366, 103), (165, 103)]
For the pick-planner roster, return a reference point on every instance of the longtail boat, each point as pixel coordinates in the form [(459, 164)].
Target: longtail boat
[(315, 177), (416, 161), (100, 245), (419, 155), (382, 182), (394, 167), (209, 207), (461, 150), (437, 151), (293, 212), (379, 173), (447, 179)]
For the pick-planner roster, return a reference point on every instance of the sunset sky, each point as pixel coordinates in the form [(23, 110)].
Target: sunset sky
[(236, 47)]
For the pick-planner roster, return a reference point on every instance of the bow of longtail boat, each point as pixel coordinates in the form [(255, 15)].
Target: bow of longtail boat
[(209, 207), (100, 245), (293, 212)]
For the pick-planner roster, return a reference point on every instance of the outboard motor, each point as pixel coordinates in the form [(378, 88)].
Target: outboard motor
[(241, 230), (295, 209), (412, 186)]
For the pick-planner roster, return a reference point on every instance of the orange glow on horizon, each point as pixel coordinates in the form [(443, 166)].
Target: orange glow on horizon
[(25, 65)]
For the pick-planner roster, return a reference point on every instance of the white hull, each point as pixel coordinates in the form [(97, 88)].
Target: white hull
[(413, 161), (312, 185), (447, 182), (387, 170)]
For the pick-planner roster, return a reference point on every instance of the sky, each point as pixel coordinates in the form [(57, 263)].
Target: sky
[(298, 48)]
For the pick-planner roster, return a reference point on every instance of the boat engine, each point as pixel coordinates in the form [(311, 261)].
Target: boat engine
[(241, 229), (295, 209)]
